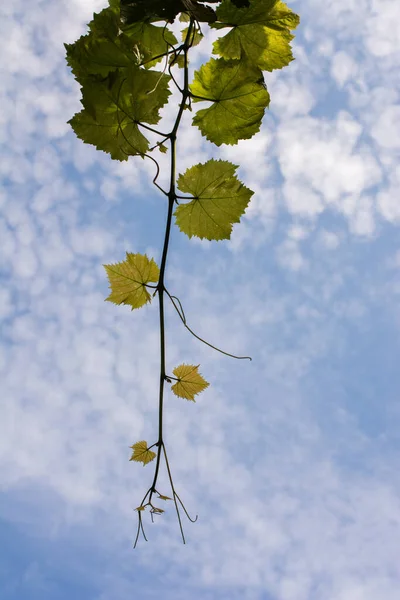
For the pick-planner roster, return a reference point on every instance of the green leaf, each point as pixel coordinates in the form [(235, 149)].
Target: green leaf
[(141, 453), (162, 148), (115, 105), (161, 497), (151, 41), (179, 60), (189, 383), (129, 278), (260, 33), (196, 37), (140, 508), (105, 48), (239, 98), (219, 200)]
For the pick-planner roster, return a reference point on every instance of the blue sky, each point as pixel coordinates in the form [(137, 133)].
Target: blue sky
[(290, 461)]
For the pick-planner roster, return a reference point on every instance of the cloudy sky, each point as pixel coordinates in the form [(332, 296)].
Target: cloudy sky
[(291, 461)]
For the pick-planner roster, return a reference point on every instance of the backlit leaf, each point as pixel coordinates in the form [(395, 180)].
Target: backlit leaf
[(141, 453), (260, 33), (151, 41), (128, 279), (196, 37), (189, 383), (239, 98), (113, 107), (161, 497), (105, 48), (219, 200), (139, 508)]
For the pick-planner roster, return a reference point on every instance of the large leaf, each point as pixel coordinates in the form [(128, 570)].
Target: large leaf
[(239, 98), (141, 453), (189, 383), (105, 48), (115, 105), (128, 280), (260, 33), (219, 200)]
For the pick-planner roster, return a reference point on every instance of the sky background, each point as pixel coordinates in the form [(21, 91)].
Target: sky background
[(290, 461)]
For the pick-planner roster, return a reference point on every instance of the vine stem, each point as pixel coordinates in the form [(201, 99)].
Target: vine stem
[(161, 286)]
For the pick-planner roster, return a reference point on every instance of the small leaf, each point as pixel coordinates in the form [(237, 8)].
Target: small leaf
[(139, 508), (179, 60), (128, 279), (161, 497), (157, 510), (220, 199), (141, 453), (162, 148), (189, 383), (197, 36)]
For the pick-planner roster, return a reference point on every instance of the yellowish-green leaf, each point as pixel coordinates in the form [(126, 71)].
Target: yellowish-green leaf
[(219, 200), (161, 497), (128, 280), (114, 106), (179, 60), (239, 96), (260, 33), (157, 510), (197, 36), (189, 383), (140, 508), (162, 148), (102, 50), (141, 453), (151, 41)]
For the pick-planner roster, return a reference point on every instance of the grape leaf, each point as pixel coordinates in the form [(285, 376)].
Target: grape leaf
[(162, 148), (151, 41), (105, 48), (141, 453), (161, 497), (260, 33), (139, 508), (189, 383), (113, 107), (219, 200), (178, 59), (239, 98), (128, 279), (196, 38)]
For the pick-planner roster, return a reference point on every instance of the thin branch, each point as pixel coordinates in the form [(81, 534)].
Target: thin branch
[(174, 495), (183, 319), (186, 512)]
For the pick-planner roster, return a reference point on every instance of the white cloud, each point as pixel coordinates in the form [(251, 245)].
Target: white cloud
[(294, 491), (344, 68), (386, 129)]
